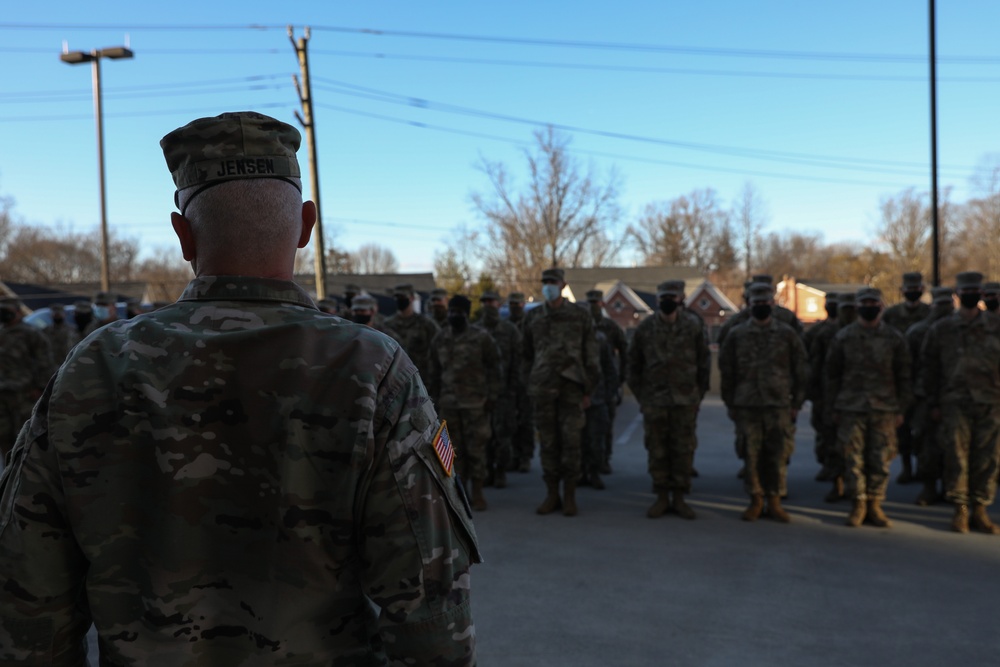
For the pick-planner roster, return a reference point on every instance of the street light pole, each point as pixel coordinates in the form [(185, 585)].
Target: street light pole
[(94, 57)]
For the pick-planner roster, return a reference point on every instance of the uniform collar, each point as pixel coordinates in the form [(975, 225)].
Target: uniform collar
[(245, 288)]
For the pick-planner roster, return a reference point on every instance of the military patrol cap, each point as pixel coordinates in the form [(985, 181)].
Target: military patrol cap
[(83, 307), (459, 302), (831, 297), (554, 274), (57, 307), (231, 146), (439, 293), (761, 292), (668, 288), (104, 299), (404, 289), (489, 295), (763, 278), (846, 300), (327, 304), (941, 295), (969, 280), (913, 279), (363, 302), (991, 288), (595, 295), (351, 288), (868, 294), (516, 297)]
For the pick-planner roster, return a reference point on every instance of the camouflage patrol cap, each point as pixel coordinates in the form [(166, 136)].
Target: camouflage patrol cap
[(846, 300), (363, 302), (969, 280), (351, 288), (489, 295), (668, 288), (868, 294), (459, 302), (761, 292), (913, 279), (104, 299), (991, 288), (327, 303), (403, 289), (57, 307), (516, 297), (595, 295), (439, 294), (554, 273), (83, 307), (763, 278), (942, 295), (231, 146)]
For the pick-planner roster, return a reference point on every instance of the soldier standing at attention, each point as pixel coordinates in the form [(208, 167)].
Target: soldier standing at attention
[(561, 366), (83, 315), (763, 369), (25, 368), (350, 291), (991, 297), (62, 337), (924, 431), (439, 307), (596, 420), (363, 311), (105, 312), (329, 306), (669, 365), (508, 340), (236, 478), (868, 385), (515, 308), (902, 316), (960, 366), (415, 331), (817, 356), (464, 382), (524, 436), (619, 348), (833, 457)]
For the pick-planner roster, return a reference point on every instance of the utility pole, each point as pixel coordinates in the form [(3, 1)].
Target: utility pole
[(935, 242), (308, 121)]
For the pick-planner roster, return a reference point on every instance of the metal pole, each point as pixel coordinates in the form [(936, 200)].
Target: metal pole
[(105, 269), (934, 167)]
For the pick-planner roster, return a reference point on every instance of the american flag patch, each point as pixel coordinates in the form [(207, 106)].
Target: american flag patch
[(442, 447)]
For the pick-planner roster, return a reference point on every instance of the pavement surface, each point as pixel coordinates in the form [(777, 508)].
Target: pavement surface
[(611, 587)]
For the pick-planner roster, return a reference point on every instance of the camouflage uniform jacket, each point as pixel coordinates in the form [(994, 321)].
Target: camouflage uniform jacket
[(508, 340), (619, 348), (902, 317), (416, 332), (559, 346), (465, 369), (236, 478), (960, 360), (763, 366), (61, 339), (915, 336), (25, 359), (868, 370), (779, 313), (669, 362), (817, 341), (607, 386)]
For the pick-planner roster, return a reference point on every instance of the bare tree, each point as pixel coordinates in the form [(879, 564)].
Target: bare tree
[(559, 219), (750, 215), (44, 255), (374, 258), (450, 272), (978, 243), (684, 231)]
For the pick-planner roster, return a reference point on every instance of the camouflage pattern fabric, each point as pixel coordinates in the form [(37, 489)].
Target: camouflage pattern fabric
[(619, 344), (416, 333), (470, 430), (868, 369), (236, 478), (670, 442), (668, 363), (923, 430), (560, 420), (780, 313), (763, 366), (62, 338), (904, 315), (508, 340), (596, 426), (868, 443), (763, 429), (972, 453), (25, 368)]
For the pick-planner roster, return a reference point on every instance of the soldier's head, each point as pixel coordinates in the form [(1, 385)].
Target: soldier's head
[(459, 308), (942, 302), (489, 302), (362, 309), (83, 314), (669, 297), (328, 305), (969, 287), (761, 301), (515, 304), (847, 310), (104, 307), (10, 311), (439, 302), (991, 296), (403, 294), (239, 194), (831, 304), (913, 287), (553, 282), (58, 313), (350, 291), (595, 301), (133, 307), (869, 300)]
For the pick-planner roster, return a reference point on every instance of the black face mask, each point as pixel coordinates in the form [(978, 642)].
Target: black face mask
[(992, 304), (439, 310), (6, 316), (402, 303), (761, 311), (458, 323), (58, 320), (869, 313), (82, 319), (362, 318), (970, 300), (831, 311), (348, 298), (668, 306), (912, 296), (515, 310), (595, 310), (490, 313)]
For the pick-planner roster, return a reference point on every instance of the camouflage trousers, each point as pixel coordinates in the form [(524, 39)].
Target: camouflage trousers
[(971, 440), (504, 420), (609, 435), (470, 433), (816, 421), (559, 421), (670, 443), (598, 422), (15, 409), (926, 439), (868, 442), (524, 434), (764, 430)]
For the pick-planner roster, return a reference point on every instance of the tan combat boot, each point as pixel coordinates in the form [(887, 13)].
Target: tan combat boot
[(569, 497), (776, 511), (752, 513), (478, 500), (659, 508), (981, 521), (552, 501), (857, 515), (681, 507), (876, 516), (960, 522), (837, 492)]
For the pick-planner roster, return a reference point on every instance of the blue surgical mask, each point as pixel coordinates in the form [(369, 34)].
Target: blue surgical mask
[(551, 292), (100, 312)]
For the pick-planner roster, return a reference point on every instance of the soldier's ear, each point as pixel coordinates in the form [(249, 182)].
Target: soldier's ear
[(308, 220), (182, 227)]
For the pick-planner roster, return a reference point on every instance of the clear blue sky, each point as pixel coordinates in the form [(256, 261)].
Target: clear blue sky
[(823, 106)]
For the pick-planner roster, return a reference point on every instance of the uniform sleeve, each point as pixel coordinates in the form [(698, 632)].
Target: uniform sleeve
[(417, 538), (636, 364), (800, 370), (43, 611), (930, 369), (704, 357), (591, 356), (621, 349), (434, 381), (727, 370), (833, 369), (902, 369), (494, 369)]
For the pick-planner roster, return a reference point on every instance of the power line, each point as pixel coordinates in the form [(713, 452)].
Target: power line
[(180, 85), (135, 114)]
